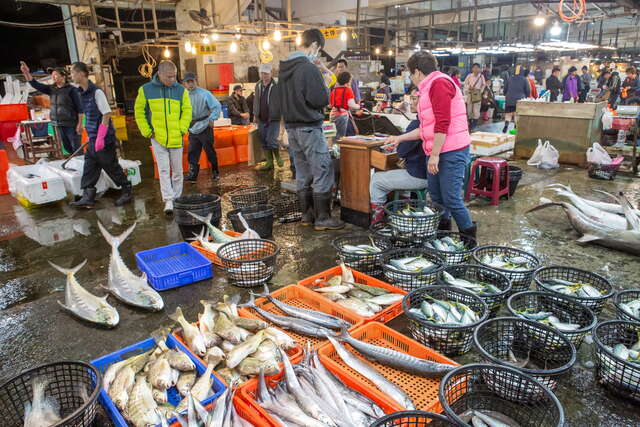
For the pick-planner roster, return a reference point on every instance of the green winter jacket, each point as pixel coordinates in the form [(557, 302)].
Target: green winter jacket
[(163, 111)]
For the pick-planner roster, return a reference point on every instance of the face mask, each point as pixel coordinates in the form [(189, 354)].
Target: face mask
[(312, 56)]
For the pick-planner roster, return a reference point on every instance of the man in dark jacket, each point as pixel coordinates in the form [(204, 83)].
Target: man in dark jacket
[(515, 89), (267, 116), (238, 108), (554, 84), (303, 97)]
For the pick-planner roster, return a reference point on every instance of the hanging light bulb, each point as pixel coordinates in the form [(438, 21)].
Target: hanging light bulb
[(298, 40), (377, 51), (539, 20), (205, 39), (238, 36), (266, 45), (167, 52), (343, 36), (233, 47), (277, 35), (556, 30), (215, 36), (193, 50), (187, 46), (417, 46), (390, 52)]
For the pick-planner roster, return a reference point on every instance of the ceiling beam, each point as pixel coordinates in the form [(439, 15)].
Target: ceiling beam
[(109, 4)]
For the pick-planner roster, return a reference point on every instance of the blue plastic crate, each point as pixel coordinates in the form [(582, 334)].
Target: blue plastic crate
[(103, 363), (175, 265)]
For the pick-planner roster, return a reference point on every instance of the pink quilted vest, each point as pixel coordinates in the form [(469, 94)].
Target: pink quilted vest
[(458, 132)]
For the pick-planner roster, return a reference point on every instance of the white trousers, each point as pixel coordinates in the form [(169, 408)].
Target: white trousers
[(169, 161)]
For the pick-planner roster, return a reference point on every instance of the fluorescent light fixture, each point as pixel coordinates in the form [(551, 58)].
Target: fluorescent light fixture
[(377, 51), (556, 30), (266, 45), (187, 46), (298, 40), (205, 39), (390, 52), (215, 36), (539, 20), (343, 36), (277, 35), (233, 47)]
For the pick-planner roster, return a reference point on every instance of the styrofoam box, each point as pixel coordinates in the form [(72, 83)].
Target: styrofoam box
[(222, 122), (72, 175), (36, 183), (131, 169)]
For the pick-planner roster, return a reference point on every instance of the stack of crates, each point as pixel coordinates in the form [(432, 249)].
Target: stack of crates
[(223, 143), (241, 142)]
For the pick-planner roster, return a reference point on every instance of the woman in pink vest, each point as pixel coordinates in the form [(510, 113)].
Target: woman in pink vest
[(445, 137)]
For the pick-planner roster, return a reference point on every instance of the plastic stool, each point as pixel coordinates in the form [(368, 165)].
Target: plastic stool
[(481, 186), (422, 194)]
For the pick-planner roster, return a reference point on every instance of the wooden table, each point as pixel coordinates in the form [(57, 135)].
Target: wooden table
[(571, 128), (357, 157)]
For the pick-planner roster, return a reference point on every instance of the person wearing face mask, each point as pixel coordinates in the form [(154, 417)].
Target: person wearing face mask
[(163, 114), (303, 97), (66, 107), (445, 139)]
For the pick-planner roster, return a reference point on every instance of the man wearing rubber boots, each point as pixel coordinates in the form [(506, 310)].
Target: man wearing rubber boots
[(267, 117), (101, 152), (303, 97), (205, 110)]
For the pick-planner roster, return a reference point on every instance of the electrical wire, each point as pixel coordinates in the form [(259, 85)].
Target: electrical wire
[(146, 69), (40, 25), (574, 12)]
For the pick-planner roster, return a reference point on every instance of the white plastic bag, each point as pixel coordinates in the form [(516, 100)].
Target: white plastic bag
[(545, 156), (537, 155), (16, 140), (598, 155)]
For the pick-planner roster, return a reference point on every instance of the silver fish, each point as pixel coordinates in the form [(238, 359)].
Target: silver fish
[(603, 206), (218, 235), (142, 408), (200, 390), (241, 351), (185, 382), (82, 303), (42, 411), (121, 387), (125, 285), (192, 335)]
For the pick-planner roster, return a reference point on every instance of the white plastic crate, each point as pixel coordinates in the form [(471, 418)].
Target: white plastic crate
[(35, 184), (131, 169), (72, 175)]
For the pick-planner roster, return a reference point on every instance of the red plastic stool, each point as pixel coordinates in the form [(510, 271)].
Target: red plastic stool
[(495, 186), (4, 167)]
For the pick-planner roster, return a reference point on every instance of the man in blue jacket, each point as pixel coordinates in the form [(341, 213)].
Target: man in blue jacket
[(205, 110)]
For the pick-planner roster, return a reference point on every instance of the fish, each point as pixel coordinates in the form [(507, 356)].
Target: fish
[(583, 290), (333, 296), (136, 362), (82, 303), (370, 373), (338, 289), (205, 243), (361, 249), (200, 390), (206, 320), (373, 290), (477, 287), (185, 382), (446, 244), (215, 355), (225, 328), (397, 359), (121, 387), (595, 232), (122, 283), (177, 359), (228, 375), (192, 335), (387, 299), (448, 312), (322, 319), (412, 264), (358, 306), (241, 351), (42, 410), (632, 307), (160, 396), (216, 234), (249, 324), (281, 338), (253, 366), (604, 206), (484, 417), (142, 408), (596, 214), (505, 262)]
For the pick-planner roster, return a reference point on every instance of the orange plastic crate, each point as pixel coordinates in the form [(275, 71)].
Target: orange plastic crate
[(223, 137), (422, 391), (242, 153), (14, 112), (226, 156), (213, 257), (241, 135), (385, 315), (299, 296)]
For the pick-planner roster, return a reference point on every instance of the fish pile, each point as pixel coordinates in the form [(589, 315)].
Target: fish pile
[(414, 264), (363, 299), (487, 418), (405, 220), (223, 413), (446, 244), (445, 313), (514, 263), (409, 210), (122, 284), (628, 354), (613, 225), (236, 347), (632, 307), (214, 237), (574, 289), (547, 318), (475, 286), (138, 386), (311, 396), (361, 249), (42, 410)]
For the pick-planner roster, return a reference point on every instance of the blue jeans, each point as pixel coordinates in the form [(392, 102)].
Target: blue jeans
[(70, 138), (311, 158), (269, 133), (446, 186)]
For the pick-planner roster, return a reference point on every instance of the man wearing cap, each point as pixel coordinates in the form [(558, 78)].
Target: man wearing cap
[(205, 110), (238, 108), (267, 117)]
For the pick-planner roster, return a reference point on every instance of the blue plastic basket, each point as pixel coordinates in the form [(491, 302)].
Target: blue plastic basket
[(174, 265), (174, 397)]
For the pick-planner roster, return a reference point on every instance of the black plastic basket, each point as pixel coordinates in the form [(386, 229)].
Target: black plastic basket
[(619, 376), (287, 208), (520, 280), (364, 263), (576, 275), (460, 257), (199, 204), (249, 262), (413, 419), (565, 309), (67, 380), (450, 340), (481, 274), (515, 174), (604, 172), (543, 345), (413, 227), (249, 196), (382, 230), (484, 387), (259, 218), (407, 280), (622, 297)]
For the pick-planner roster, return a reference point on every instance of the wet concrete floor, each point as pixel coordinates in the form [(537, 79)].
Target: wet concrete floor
[(35, 330)]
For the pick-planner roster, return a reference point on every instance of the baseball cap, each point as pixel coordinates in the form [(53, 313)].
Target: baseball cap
[(189, 76), (265, 68)]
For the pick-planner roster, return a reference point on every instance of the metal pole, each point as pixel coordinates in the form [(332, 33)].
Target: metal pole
[(213, 13), (358, 17), (71, 35), (155, 18), (458, 17), (600, 35), (94, 18), (386, 26), (144, 18), (238, 7), (289, 11), (431, 21), (475, 22)]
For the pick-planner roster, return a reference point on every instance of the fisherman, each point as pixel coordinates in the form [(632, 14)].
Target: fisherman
[(163, 114), (303, 97), (267, 117), (101, 152), (66, 107), (445, 137), (238, 108), (205, 111)]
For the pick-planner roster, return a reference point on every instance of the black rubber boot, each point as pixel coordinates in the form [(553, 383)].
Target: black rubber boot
[(215, 175), (322, 211), (192, 176), (87, 201), (306, 206), (471, 231), (126, 195), (506, 127), (445, 225)]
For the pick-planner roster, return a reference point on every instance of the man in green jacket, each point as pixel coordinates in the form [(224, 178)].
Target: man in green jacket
[(163, 113)]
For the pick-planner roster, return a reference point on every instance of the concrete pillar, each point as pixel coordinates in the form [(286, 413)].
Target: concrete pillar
[(87, 46), (70, 33)]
